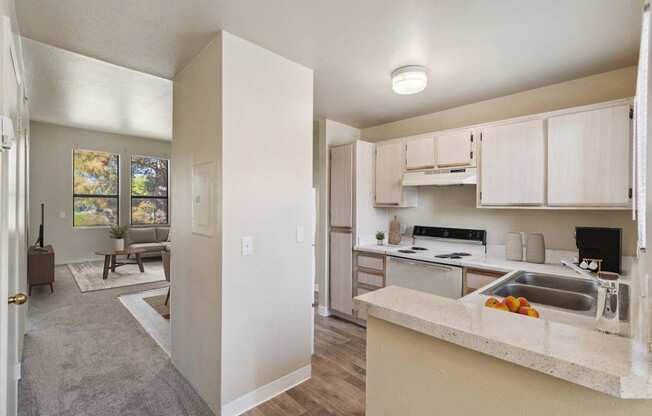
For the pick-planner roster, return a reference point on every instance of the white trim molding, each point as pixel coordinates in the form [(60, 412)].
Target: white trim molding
[(266, 392), (324, 311), (18, 371)]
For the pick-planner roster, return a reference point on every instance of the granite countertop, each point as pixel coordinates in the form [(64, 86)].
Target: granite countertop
[(614, 365)]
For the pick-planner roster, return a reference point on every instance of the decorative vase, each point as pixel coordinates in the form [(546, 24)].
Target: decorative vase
[(119, 244)]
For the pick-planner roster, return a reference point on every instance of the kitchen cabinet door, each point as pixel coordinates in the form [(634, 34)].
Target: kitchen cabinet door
[(389, 172), (455, 149), (420, 152), (341, 186), (341, 272), (474, 279), (512, 164), (589, 158)]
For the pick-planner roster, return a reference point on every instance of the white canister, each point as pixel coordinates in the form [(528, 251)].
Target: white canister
[(535, 248), (514, 246)]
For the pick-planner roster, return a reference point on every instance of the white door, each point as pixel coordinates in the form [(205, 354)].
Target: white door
[(420, 152), (455, 149), (512, 164), (589, 158), (389, 171), (12, 223)]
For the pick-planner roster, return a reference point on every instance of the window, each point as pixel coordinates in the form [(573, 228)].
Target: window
[(149, 190), (95, 188)]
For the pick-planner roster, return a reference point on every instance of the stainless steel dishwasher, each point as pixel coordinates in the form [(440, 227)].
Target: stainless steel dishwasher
[(438, 279)]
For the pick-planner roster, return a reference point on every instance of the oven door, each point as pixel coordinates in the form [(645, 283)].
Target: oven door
[(438, 279)]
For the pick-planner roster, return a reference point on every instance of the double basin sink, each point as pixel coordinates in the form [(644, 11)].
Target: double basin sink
[(574, 295)]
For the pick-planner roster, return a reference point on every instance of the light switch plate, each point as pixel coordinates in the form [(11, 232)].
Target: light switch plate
[(247, 246), (62, 215), (301, 234)]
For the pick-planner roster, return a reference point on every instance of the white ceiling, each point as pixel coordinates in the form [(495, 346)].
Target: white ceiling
[(474, 49), (73, 90)]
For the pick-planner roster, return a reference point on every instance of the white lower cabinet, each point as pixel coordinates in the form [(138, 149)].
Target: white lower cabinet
[(474, 279), (369, 275)]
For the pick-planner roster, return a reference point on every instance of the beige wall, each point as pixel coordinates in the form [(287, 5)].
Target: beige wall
[(231, 310), (50, 179), (267, 157), (196, 259), (455, 206), (588, 90), (411, 374)]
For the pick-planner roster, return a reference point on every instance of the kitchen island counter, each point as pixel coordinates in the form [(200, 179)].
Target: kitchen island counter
[(612, 365)]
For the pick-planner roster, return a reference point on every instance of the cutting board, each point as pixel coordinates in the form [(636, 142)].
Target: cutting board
[(395, 231)]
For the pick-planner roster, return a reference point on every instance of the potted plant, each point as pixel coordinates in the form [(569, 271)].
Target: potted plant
[(118, 233), (380, 237)]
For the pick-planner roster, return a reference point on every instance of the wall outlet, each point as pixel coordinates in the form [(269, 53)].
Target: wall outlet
[(301, 234), (62, 215), (247, 246)]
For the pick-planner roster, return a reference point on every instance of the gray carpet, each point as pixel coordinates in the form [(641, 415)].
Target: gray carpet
[(86, 355)]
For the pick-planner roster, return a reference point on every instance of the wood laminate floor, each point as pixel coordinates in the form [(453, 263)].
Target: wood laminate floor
[(337, 386)]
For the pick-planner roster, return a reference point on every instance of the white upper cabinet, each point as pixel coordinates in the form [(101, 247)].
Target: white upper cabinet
[(419, 152), (455, 149), (512, 164), (341, 186), (389, 173), (589, 158)]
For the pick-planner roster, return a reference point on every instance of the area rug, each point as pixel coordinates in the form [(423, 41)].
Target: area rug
[(88, 275), (158, 304)]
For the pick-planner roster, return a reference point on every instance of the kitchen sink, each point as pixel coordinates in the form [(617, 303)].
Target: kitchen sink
[(562, 283), (571, 294), (550, 297)]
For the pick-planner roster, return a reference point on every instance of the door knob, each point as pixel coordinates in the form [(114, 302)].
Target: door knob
[(18, 299)]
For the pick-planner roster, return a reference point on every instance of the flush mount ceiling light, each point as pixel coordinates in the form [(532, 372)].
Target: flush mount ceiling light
[(409, 79)]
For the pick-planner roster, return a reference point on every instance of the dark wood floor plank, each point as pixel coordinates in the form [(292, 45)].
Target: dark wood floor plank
[(337, 385)]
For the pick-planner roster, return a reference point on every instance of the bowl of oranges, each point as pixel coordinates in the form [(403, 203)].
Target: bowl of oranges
[(512, 304)]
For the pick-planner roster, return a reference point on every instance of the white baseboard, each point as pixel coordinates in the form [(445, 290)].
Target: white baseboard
[(266, 392), (324, 311)]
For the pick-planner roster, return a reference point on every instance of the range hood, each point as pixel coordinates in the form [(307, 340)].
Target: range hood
[(441, 177)]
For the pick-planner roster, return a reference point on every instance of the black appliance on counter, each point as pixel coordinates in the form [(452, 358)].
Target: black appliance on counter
[(600, 243)]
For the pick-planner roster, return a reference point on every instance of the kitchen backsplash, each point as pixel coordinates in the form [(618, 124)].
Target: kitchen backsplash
[(455, 206)]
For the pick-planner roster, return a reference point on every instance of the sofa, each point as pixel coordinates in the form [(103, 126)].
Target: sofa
[(154, 240)]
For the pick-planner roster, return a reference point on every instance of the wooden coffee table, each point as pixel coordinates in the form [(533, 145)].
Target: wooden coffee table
[(111, 262)]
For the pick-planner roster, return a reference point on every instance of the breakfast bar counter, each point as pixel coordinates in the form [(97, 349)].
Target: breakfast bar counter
[(423, 346)]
